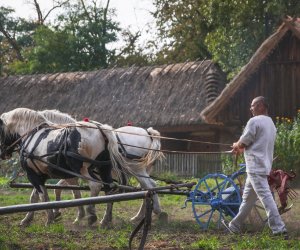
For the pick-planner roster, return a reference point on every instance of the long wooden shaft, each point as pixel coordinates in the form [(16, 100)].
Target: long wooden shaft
[(73, 203)]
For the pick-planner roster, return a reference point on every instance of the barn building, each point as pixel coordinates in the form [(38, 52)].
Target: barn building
[(170, 98), (273, 72)]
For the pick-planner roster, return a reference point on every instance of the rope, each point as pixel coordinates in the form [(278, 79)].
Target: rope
[(151, 136), (160, 137), (174, 152)]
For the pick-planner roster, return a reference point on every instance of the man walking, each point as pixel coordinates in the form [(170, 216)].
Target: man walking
[(257, 143)]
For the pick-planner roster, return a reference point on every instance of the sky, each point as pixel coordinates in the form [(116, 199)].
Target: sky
[(129, 13)]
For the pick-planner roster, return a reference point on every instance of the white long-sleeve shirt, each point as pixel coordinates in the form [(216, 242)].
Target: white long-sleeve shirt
[(259, 137)]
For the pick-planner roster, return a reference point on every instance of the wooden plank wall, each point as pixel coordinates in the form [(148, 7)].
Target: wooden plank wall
[(278, 79), (189, 165)]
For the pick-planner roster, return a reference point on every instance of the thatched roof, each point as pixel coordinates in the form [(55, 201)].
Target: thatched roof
[(210, 113), (167, 95)]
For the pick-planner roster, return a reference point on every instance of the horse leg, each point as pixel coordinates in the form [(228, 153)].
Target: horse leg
[(57, 193), (107, 218), (146, 183), (45, 198), (34, 198), (90, 210), (76, 195)]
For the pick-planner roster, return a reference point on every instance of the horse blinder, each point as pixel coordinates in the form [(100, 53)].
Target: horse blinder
[(6, 147)]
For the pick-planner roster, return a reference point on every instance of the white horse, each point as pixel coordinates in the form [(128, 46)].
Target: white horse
[(44, 147), (140, 148)]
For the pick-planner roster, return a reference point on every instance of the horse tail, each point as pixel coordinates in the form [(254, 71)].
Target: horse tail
[(154, 153), (117, 158)]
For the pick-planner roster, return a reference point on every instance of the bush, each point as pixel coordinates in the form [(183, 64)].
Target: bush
[(287, 145)]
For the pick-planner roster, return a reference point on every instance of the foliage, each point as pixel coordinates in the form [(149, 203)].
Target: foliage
[(77, 42), (93, 28), (15, 34), (213, 243), (227, 31), (81, 39), (83, 35), (3, 181), (182, 28), (287, 146), (231, 163)]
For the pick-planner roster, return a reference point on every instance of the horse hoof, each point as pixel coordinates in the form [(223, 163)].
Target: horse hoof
[(48, 223), (105, 225), (135, 220), (163, 217), (92, 219), (58, 219), (78, 220), (57, 215), (24, 224)]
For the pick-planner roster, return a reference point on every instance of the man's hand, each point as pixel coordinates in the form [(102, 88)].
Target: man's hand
[(237, 148)]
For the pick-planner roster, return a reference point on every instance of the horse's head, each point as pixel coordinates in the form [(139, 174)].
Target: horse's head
[(6, 142)]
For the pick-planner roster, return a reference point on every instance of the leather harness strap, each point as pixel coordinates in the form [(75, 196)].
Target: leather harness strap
[(124, 152)]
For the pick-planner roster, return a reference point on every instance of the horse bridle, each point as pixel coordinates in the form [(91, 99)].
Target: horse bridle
[(13, 142)]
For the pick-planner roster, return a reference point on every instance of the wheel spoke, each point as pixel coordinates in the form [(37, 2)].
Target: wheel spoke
[(231, 203), (217, 183), (230, 210), (223, 185), (208, 188), (205, 213), (201, 203), (210, 216), (220, 217), (218, 186)]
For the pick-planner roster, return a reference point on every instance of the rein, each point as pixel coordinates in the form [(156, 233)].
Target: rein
[(154, 136), (173, 151), (151, 136)]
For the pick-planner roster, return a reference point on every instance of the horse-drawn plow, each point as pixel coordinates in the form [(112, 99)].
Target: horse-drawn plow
[(48, 151)]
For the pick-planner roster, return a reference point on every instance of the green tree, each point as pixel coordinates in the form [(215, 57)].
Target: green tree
[(241, 26), (49, 53), (182, 29), (228, 31), (80, 40), (131, 53), (14, 36), (94, 28)]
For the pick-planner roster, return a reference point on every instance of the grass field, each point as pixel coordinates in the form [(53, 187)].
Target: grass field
[(180, 232)]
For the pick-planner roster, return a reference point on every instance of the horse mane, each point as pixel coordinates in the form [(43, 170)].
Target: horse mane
[(55, 116), (22, 120)]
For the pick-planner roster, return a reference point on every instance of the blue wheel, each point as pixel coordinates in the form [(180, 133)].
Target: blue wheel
[(215, 197)]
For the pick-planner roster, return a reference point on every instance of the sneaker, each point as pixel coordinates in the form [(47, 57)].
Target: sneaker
[(228, 228), (283, 234)]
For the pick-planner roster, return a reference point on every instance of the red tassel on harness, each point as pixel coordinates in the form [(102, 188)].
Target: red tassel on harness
[(85, 119)]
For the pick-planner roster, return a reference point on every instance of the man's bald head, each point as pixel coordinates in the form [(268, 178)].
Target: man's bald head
[(259, 106)]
